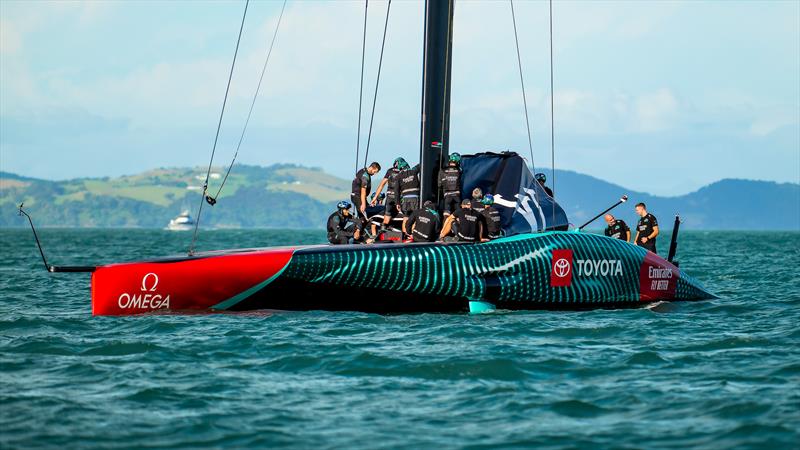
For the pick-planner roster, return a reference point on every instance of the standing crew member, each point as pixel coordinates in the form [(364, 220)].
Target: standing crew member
[(391, 196), (491, 218), (406, 185), (617, 228), (362, 184), (450, 183), (343, 228), (646, 229), (423, 224), (542, 179), (468, 221)]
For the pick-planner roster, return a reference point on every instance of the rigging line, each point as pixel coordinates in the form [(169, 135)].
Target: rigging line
[(216, 137), (361, 86), (522, 82), (552, 122), (252, 104), (377, 82)]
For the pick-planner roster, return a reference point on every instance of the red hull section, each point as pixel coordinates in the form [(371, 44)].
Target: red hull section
[(193, 283)]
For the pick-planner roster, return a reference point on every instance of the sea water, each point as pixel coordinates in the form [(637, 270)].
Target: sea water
[(723, 373)]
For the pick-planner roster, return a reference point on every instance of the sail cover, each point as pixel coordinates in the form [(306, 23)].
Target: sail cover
[(524, 206)]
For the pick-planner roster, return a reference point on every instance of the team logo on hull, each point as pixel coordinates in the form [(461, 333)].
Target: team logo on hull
[(564, 268), (561, 273), (147, 298)]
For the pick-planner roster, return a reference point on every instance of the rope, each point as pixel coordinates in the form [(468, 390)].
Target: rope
[(522, 82), (252, 104), (216, 137), (361, 86), (377, 83), (552, 124)]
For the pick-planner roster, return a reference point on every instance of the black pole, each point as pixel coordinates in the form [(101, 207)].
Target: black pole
[(673, 243), (436, 73), (622, 200)]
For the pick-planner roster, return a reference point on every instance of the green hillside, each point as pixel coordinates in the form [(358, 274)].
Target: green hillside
[(277, 196)]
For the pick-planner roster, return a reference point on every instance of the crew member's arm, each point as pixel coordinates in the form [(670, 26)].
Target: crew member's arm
[(480, 232), (652, 235), (363, 207), (448, 224), (377, 194), (628, 235), (636, 239)]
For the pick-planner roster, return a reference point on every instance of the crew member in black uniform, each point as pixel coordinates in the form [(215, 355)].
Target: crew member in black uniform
[(391, 196), (406, 185), (477, 199), (423, 224), (343, 228), (646, 229), (542, 179), (450, 183), (491, 218), (468, 224), (362, 184), (617, 228)]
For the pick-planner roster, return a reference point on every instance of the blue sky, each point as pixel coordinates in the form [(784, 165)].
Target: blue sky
[(662, 97)]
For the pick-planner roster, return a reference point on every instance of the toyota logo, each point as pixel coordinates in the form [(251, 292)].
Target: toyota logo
[(561, 268)]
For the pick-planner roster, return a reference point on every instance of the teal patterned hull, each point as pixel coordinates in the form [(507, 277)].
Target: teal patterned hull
[(510, 273)]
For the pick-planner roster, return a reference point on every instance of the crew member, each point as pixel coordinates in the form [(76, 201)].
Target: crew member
[(468, 221), (362, 184), (343, 228), (423, 224), (646, 229), (491, 218), (391, 196), (477, 199), (542, 179), (617, 228), (450, 183), (406, 186)]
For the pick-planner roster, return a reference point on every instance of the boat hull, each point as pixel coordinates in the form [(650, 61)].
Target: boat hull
[(556, 270)]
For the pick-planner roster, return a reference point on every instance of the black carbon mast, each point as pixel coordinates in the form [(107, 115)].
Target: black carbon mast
[(436, 73)]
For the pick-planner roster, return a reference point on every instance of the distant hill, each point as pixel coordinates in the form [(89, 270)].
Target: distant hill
[(290, 196)]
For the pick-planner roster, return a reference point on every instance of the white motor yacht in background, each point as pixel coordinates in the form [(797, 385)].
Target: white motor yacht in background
[(183, 222)]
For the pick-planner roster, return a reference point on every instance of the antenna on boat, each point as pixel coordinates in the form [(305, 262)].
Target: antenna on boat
[(47, 266), (622, 200)]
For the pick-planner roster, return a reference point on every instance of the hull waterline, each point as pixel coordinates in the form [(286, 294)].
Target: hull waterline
[(556, 270)]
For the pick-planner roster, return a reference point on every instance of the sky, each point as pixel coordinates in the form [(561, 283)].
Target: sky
[(662, 97)]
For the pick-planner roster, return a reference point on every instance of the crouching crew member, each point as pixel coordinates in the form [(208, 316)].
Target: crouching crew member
[(362, 184), (617, 228), (491, 218), (542, 179), (391, 196), (646, 229), (450, 183), (406, 185), (343, 228), (423, 224), (467, 223)]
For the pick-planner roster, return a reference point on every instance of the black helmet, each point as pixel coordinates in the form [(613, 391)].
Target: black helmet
[(344, 204), (540, 177), (429, 204)]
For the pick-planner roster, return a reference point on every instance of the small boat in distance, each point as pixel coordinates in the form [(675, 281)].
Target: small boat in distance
[(183, 222)]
